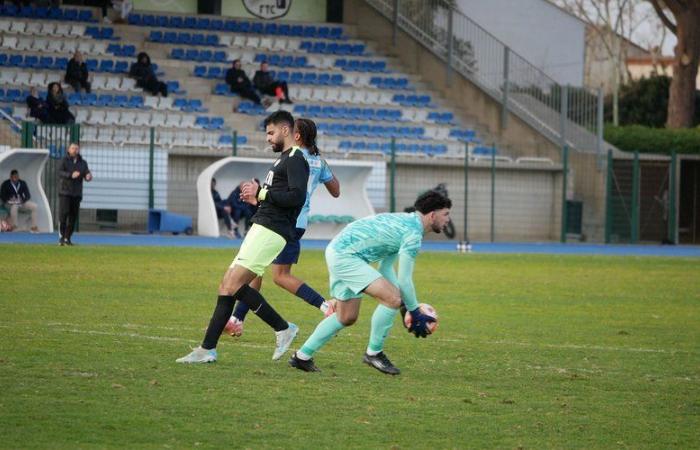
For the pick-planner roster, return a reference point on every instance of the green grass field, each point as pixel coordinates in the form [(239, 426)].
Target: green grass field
[(532, 352)]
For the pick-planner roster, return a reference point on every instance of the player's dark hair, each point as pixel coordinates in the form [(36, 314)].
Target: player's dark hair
[(431, 201), (280, 117), (235, 61), (14, 172), (307, 131)]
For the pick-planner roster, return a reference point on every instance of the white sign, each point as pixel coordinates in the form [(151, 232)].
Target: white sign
[(268, 9)]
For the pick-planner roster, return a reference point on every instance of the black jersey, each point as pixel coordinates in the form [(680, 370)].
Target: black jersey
[(283, 193)]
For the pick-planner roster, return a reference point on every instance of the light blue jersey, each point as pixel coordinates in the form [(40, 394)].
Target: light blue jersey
[(383, 238), (319, 172)]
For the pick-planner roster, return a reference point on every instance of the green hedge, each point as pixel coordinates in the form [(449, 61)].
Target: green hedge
[(653, 140)]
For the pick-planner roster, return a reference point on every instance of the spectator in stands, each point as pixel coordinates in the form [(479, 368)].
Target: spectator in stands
[(121, 7), (58, 112), (239, 209), (240, 84), (77, 73), (72, 171), (38, 108), (142, 71), (15, 197), (222, 209), (264, 82)]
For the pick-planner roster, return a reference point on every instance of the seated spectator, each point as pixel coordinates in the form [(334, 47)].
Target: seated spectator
[(142, 71), (240, 83), (38, 108), (15, 197), (264, 82), (58, 112), (222, 209), (77, 73), (239, 209), (122, 8)]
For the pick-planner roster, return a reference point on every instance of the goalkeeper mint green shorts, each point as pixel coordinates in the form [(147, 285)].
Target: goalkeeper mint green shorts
[(260, 247), (349, 275)]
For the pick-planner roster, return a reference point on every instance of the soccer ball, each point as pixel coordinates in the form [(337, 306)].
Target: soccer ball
[(428, 311)]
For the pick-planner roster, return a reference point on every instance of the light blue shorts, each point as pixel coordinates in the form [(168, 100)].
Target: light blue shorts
[(348, 275)]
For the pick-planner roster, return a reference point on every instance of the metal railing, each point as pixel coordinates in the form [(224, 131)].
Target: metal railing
[(566, 115)]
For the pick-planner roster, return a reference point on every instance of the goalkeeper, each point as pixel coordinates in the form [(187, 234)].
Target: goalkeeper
[(383, 238)]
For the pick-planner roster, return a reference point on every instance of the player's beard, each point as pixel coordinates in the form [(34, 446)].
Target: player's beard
[(278, 147), (436, 228)]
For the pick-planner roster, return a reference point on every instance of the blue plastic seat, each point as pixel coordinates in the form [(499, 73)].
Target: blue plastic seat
[(129, 50), (169, 37), (299, 109), (324, 79), (42, 12), (318, 47), (309, 31), (106, 33), (257, 27), (283, 29), (62, 62), (84, 15), (104, 100), (337, 80), (310, 78), (106, 65), (341, 63), (296, 78), (357, 49), (203, 23), (148, 20), (354, 65), (201, 122), (155, 36), (344, 49), (15, 61), (219, 56), (270, 28), (225, 139), (216, 25), (221, 89), (114, 48), (323, 32), (191, 54), (216, 123), (10, 10), (134, 19), (31, 61), (173, 87), (313, 110), (306, 46), (4, 58), (274, 59), (211, 40), (286, 61), (14, 95), (296, 30), (332, 48), (180, 103), (136, 101), (121, 67), (162, 21), (205, 55), (300, 61), (177, 53), (121, 101), (345, 145), (74, 98), (70, 14), (200, 71), (230, 25), (214, 72), (196, 105), (198, 39), (189, 22), (358, 145), (242, 27), (283, 75), (184, 38), (175, 22)]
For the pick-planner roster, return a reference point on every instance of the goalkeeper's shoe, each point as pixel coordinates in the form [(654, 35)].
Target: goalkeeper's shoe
[(301, 364), (234, 327), (381, 363), (199, 355)]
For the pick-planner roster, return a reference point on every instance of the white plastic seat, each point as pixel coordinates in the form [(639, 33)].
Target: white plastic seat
[(38, 79), (225, 40), (173, 120), (158, 119), (87, 134), (239, 40), (182, 138), (85, 46), (128, 118), (187, 121), (303, 94), (99, 48), (81, 115), (96, 117), (252, 41), (165, 103), (280, 45), (105, 134), (142, 119), (421, 115), (77, 30), (54, 46), (20, 111), (99, 82), (150, 102), (247, 57), (138, 136), (112, 118), (359, 96), (48, 28), (5, 25), (318, 95), (128, 84), (33, 28), (17, 26), (62, 30), (40, 45), (345, 96), (22, 78), (266, 43), (9, 42), (70, 46), (113, 83), (165, 137), (24, 44), (7, 76), (385, 98)]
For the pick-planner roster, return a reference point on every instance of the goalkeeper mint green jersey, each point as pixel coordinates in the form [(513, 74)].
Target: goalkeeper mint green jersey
[(376, 237)]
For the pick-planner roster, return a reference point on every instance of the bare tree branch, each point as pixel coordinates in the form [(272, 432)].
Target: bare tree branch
[(662, 15)]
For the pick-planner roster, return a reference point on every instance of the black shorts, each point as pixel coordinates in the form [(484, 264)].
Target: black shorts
[(290, 252)]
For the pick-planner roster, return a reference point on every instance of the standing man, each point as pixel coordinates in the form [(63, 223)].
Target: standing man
[(281, 197), (72, 171), (15, 196), (383, 238)]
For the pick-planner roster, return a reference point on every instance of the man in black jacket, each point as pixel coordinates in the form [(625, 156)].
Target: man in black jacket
[(281, 197), (264, 82), (240, 84), (142, 71), (15, 197), (77, 73), (72, 171)]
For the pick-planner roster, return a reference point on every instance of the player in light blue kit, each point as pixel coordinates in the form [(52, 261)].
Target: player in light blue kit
[(383, 238), (319, 172)]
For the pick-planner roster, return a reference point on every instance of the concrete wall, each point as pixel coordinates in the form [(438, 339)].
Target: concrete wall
[(558, 45)]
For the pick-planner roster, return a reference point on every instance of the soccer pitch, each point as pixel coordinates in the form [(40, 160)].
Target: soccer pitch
[(532, 351)]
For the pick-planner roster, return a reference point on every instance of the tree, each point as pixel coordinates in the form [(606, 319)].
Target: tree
[(613, 23), (686, 27)]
